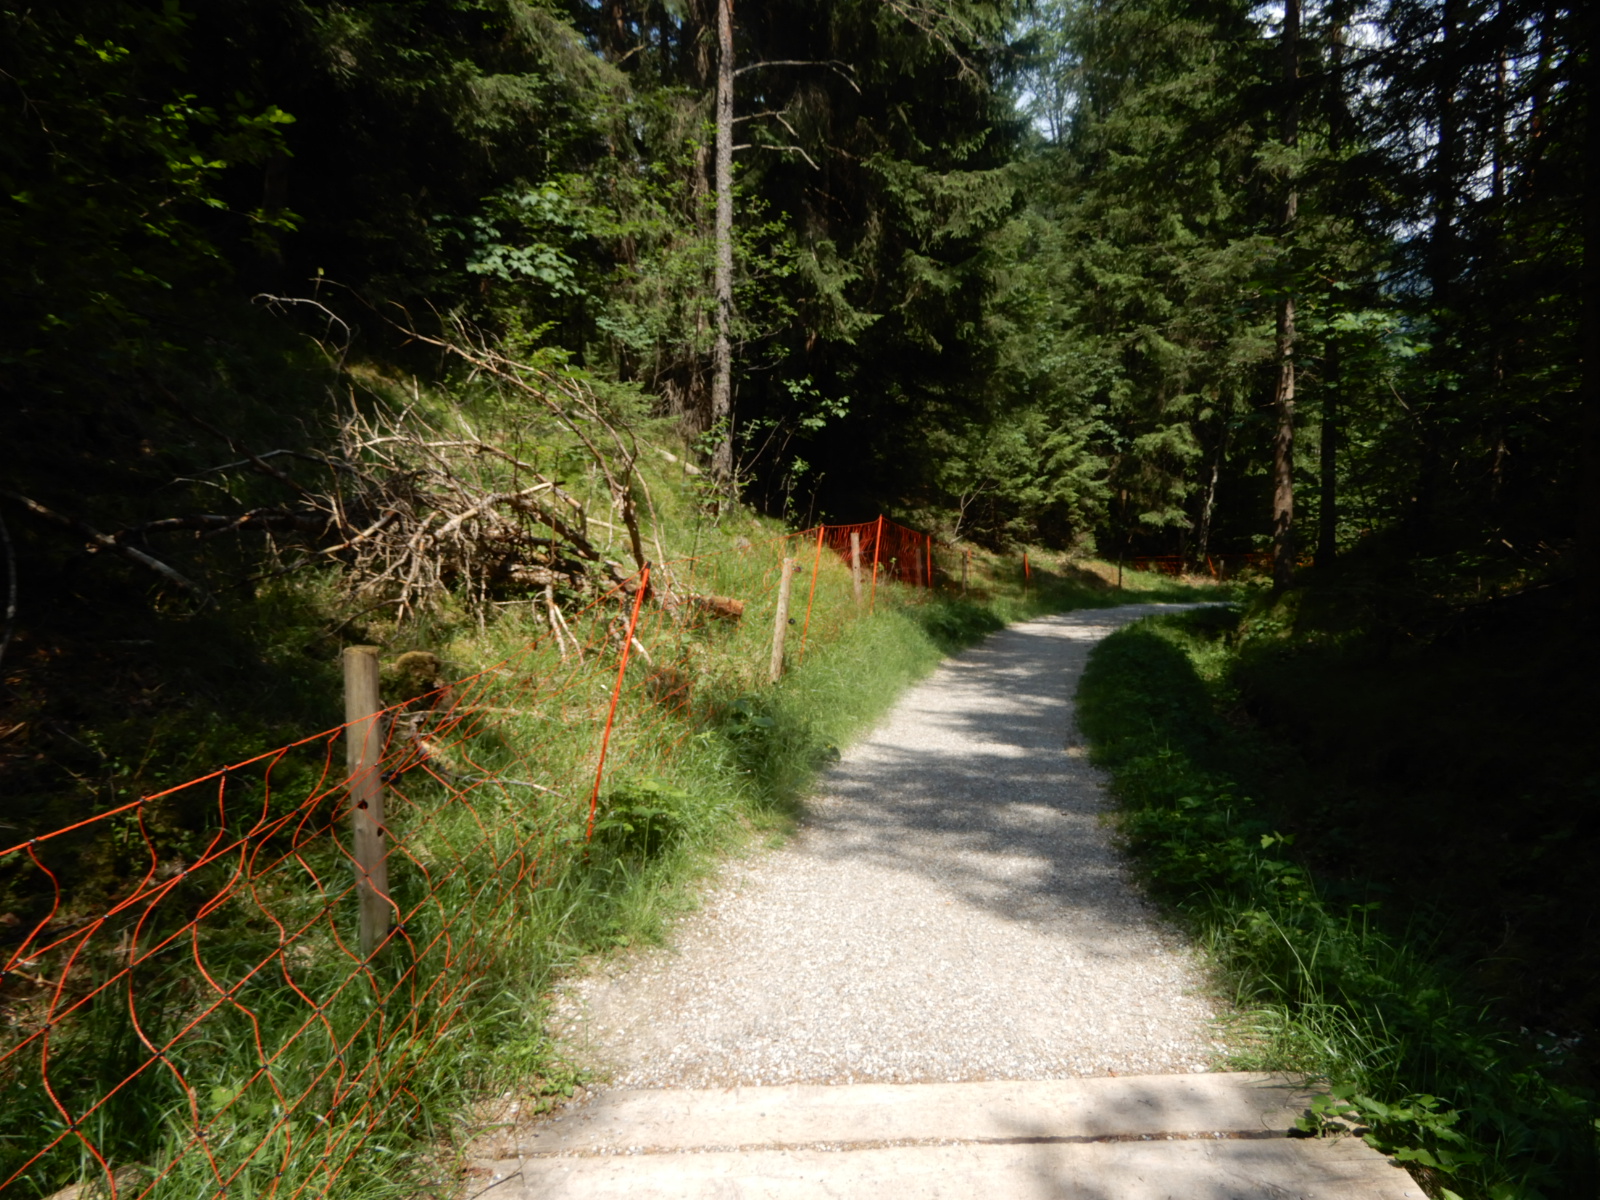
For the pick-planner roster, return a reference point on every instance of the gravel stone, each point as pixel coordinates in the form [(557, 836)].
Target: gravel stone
[(951, 909)]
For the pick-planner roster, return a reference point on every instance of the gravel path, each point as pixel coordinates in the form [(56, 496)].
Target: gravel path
[(951, 909)]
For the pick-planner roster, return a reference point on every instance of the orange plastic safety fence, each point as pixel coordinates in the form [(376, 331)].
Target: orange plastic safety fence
[(1218, 566), (890, 550), (252, 1048)]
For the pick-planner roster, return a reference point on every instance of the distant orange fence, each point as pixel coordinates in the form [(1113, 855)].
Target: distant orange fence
[(1218, 566), (887, 549)]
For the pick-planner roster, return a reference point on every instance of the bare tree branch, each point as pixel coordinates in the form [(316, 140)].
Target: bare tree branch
[(544, 386), (102, 541), (279, 303), (233, 443), (785, 149), (937, 22), (842, 69)]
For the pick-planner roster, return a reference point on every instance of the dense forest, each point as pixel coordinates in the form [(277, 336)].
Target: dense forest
[(1182, 278), (1023, 272)]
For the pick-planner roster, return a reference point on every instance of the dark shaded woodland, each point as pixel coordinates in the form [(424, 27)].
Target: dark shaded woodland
[(1165, 277)]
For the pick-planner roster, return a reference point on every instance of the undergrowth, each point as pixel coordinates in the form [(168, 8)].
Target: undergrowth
[(685, 784), (1409, 1054)]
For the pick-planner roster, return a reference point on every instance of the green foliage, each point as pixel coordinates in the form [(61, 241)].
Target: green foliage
[(642, 818), (1159, 173), (1434, 1078), (1038, 247), (1008, 270), (1430, 759), (113, 174), (1395, 1129), (953, 623), (683, 789)]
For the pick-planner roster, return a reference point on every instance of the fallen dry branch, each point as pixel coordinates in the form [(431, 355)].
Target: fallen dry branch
[(103, 541), (407, 512), (211, 524), (566, 398), (445, 518), (412, 511)]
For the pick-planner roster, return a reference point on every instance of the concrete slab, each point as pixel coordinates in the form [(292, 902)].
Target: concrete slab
[(1265, 1169), (803, 1115), (1164, 1137)]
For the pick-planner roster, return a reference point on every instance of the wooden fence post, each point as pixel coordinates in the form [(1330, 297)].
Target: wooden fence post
[(780, 624), (855, 563), (363, 750), (966, 557)]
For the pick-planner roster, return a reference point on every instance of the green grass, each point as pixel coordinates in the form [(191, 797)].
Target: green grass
[(1324, 985), (363, 1076), (1446, 769), (272, 1022)]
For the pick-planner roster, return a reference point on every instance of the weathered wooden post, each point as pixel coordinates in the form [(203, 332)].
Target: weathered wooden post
[(855, 563), (966, 558), (363, 750), (780, 624)]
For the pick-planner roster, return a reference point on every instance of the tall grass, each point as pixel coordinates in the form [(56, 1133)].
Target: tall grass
[(1406, 1052), (288, 1067)]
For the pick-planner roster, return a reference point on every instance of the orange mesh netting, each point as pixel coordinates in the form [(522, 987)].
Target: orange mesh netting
[(189, 962), (888, 550)]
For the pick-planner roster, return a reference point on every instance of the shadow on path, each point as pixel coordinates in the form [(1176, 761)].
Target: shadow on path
[(973, 782)]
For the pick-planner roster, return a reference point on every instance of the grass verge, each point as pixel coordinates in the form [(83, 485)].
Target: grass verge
[(1410, 1056), (239, 1048)]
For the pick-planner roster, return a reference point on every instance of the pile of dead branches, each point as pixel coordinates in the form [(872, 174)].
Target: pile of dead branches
[(411, 511), (432, 513)]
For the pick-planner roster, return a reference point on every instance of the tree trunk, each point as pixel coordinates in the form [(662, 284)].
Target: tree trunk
[(614, 37), (1501, 149), (722, 351), (1538, 105), (682, 374), (1333, 376), (1283, 450), (1589, 476), (1209, 509), (1283, 397), (1441, 274), (1327, 461), (1441, 241)]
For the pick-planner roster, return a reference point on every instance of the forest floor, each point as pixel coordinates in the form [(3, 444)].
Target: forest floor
[(953, 914)]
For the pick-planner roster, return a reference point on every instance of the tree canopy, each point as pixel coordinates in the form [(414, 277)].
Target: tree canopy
[(1008, 269)]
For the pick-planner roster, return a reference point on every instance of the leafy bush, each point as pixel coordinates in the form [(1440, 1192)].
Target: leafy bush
[(643, 818)]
